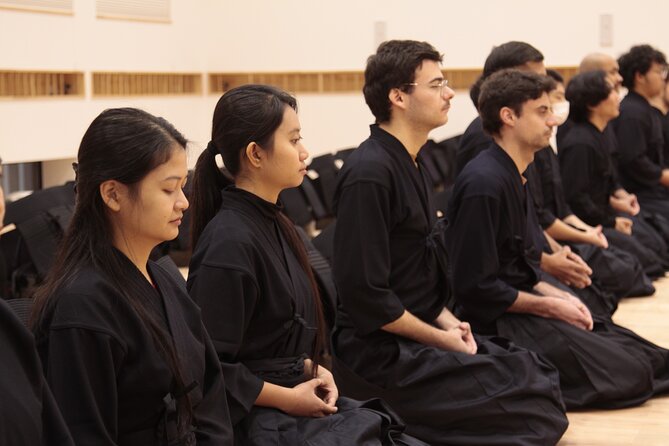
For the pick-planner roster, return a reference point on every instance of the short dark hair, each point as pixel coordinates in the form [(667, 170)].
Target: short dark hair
[(509, 88), (638, 60), (393, 66), (555, 75), (586, 90), (512, 54)]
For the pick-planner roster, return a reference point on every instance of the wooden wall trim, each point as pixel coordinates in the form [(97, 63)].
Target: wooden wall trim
[(27, 84), (336, 81)]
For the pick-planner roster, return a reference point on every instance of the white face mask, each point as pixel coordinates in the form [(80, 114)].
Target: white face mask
[(560, 111)]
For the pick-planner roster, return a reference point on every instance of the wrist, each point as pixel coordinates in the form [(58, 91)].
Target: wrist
[(285, 401)]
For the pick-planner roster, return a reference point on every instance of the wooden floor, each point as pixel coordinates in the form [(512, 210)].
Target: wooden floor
[(646, 425)]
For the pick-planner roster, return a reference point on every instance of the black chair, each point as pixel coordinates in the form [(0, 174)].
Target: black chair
[(426, 158), (326, 183), (41, 220), (448, 158), (295, 206), (324, 278), (303, 205), (343, 154), (22, 307), (324, 241)]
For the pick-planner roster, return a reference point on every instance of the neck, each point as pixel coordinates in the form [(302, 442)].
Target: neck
[(257, 188), (411, 138), (599, 122), (521, 155), (138, 252), (643, 93)]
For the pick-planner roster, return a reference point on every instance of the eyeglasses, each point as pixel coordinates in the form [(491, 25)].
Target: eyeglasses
[(663, 71), (438, 87)]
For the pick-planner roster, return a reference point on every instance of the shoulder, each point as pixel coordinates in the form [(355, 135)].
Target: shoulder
[(229, 235), (579, 135), (368, 163), (89, 301), (483, 175), (231, 245), (633, 108)]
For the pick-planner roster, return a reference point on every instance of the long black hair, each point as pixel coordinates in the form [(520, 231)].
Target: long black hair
[(246, 114), (123, 144)]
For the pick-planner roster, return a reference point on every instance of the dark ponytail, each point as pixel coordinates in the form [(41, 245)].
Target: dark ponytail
[(125, 145), (205, 199), (246, 114)]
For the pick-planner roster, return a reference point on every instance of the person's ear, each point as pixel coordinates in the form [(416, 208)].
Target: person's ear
[(254, 154), (396, 98), (507, 116), (111, 193)]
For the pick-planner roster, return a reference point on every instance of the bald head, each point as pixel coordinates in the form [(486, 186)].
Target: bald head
[(604, 62)]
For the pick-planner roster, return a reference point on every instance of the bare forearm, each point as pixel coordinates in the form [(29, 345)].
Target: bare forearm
[(530, 304), (559, 230), (409, 326), (273, 396), (555, 246), (573, 220), (446, 319)]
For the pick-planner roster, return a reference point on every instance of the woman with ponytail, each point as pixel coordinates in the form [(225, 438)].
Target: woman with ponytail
[(251, 277), (123, 347)]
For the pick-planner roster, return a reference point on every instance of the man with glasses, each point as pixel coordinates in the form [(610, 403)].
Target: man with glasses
[(394, 337), (643, 165)]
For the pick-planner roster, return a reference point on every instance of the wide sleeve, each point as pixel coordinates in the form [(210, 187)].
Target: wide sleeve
[(474, 260), (212, 414), (362, 262), (577, 165), (81, 367), (227, 320), (634, 161)]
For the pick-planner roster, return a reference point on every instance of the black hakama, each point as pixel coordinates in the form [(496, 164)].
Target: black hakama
[(493, 258), (386, 261), (112, 385), (257, 305)]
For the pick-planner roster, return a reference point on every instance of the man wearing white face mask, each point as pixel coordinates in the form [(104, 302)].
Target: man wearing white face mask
[(615, 273), (560, 106)]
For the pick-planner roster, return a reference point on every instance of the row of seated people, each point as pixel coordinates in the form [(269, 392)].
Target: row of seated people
[(443, 334)]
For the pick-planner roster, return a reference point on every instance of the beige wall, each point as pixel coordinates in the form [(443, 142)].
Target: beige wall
[(277, 35)]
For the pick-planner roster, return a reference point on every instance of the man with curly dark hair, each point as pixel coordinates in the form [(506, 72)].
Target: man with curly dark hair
[(643, 164)]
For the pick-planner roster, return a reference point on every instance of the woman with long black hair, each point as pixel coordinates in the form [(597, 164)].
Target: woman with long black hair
[(259, 299), (123, 346)]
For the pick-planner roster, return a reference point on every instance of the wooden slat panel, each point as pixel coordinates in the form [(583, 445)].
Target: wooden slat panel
[(146, 84), (26, 84), (51, 6), (142, 10), (336, 81)]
